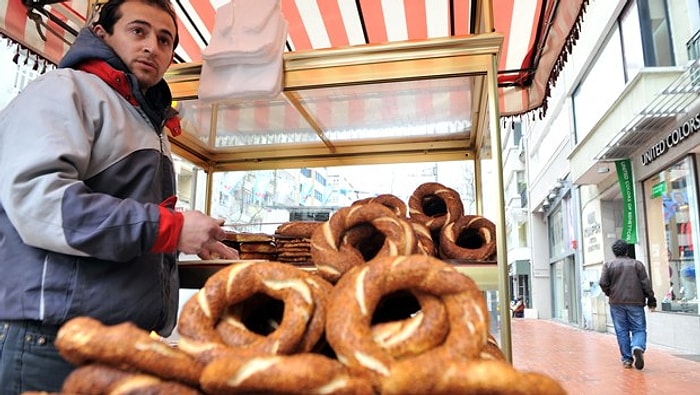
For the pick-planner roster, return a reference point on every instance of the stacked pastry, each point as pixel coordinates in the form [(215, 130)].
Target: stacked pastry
[(357, 234), (443, 344), (293, 240), (381, 315), (255, 327), (396, 325), (110, 358), (374, 227), (433, 223), (252, 245), (458, 235)]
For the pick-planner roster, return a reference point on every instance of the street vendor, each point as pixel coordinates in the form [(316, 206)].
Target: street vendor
[(88, 225)]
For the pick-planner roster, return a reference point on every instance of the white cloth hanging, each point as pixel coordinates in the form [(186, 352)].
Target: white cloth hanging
[(241, 81), (244, 59), (245, 33)]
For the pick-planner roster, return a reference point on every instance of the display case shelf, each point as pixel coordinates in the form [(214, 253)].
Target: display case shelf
[(194, 273)]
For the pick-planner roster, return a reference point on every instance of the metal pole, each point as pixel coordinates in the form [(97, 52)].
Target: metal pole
[(500, 222)]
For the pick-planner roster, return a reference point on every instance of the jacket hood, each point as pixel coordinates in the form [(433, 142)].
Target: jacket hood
[(88, 46)]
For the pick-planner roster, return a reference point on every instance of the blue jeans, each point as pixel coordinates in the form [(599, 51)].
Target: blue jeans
[(29, 360), (630, 328)]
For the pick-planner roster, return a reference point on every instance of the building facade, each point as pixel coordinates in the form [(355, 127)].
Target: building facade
[(615, 156)]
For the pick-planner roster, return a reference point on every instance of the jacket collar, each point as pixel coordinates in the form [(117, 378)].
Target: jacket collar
[(119, 81), (90, 54)]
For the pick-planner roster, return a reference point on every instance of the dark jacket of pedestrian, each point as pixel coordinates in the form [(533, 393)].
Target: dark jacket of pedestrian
[(625, 281)]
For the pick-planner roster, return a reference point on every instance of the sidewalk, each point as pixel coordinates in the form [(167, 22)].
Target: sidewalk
[(588, 362)]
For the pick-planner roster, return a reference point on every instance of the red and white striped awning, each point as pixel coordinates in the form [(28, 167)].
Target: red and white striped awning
[(538, 33)]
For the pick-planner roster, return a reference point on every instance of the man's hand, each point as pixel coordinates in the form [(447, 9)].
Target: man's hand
[(218, 250), (202, 235)]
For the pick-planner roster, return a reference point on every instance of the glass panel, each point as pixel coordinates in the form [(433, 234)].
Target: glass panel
[(558, 290), (261, 123), (670, 200), (633, 51), (565, 304), (246, 123), (656, 36), (556, 233), (259, 201), (412, 109), (190, 191), (195, 118), (397, 109)]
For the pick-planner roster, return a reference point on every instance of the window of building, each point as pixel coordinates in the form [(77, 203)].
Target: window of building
[(607, 73), (517, 133), (522, 235), (556, 233), (671, 202), (620, 59), (656, 33), (320, 178), (564, 304), (561, 228), (631, 37)]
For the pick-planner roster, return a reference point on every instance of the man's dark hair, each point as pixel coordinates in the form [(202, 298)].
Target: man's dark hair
[(109, 14), (619, 248)]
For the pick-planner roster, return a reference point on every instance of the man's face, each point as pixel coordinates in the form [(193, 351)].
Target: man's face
[(143, 38)]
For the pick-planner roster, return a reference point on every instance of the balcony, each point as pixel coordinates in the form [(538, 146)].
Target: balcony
[(693, 46)]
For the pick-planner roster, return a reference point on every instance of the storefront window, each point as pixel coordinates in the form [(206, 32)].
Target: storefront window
[(671, 210), (564, 291), (556, 233)]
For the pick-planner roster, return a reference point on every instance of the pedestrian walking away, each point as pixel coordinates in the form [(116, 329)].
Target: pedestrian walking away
[(626, 283)]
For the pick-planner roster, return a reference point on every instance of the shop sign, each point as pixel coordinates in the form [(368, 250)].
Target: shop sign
[(592, 242), (658, 190), (674, 138), (629, 215)]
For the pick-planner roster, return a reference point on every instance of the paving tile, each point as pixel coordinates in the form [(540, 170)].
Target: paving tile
[(588, 362)]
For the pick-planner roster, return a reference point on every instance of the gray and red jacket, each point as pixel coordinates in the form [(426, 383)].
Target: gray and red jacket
[(87, 194)]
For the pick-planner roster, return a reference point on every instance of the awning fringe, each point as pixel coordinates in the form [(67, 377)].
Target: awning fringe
[(39, 61), (540, 111)]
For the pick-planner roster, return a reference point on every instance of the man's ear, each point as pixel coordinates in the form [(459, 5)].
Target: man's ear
[(99, 31)]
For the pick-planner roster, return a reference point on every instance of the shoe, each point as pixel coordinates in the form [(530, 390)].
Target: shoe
[(627, 365), (638, 358)]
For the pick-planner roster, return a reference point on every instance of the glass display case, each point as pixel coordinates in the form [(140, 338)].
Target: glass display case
[(397, 102), (428, 101)]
